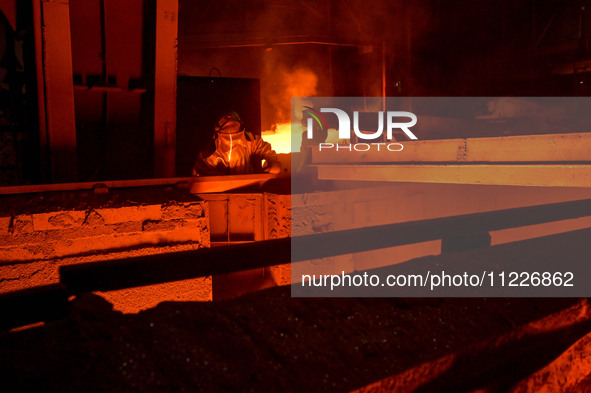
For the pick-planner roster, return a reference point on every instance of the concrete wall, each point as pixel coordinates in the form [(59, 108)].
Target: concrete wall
[(34, 246), (278, 223), (60, 234), (247, 217)]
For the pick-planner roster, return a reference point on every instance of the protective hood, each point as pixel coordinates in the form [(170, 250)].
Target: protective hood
[(231, 153)]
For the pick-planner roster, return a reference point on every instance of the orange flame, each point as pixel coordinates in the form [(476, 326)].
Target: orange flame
[(279, 137), (300, 82)]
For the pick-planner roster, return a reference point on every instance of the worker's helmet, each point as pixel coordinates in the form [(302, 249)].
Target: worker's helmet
[(229, 123)]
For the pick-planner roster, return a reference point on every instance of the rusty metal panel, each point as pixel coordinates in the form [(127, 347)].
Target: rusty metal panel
[(86, 28), (59, 90), (165, 88), (8, 8), (123, 36)]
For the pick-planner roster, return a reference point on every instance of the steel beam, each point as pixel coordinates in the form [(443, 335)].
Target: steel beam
[(201, 41), (546, 148), (510, 175), (27, 189), (199, 184)]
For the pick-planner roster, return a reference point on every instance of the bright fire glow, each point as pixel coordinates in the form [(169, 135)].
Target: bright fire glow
[(280, 137), (300, 82)]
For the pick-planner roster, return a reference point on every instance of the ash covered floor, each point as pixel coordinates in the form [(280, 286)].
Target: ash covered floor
[(268, 341)]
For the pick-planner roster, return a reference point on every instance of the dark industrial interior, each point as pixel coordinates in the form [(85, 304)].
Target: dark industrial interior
[(107, 132), (121, 270)]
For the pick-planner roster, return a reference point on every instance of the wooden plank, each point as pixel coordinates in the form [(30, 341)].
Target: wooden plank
[(510, 175), (59, 90), (165, 88), (573, 147)]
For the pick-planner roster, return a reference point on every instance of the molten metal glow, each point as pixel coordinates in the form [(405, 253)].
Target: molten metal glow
[(300, 82), (280, 137)]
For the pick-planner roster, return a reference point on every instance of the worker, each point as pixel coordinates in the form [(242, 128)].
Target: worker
[(236, 151)]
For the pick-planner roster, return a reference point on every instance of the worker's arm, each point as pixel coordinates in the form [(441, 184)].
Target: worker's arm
[(264, 151)]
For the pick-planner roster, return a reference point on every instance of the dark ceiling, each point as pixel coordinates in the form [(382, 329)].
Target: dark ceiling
[(434, 47)]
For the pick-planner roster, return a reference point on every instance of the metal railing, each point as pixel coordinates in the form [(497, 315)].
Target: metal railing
[(48, 302)]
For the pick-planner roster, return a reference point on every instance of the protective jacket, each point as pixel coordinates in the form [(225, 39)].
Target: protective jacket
[(235, 154)]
